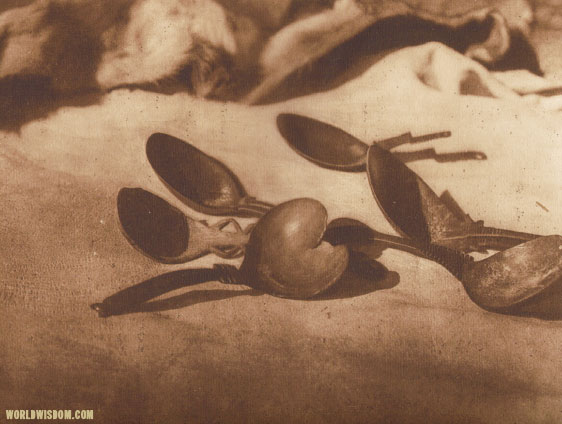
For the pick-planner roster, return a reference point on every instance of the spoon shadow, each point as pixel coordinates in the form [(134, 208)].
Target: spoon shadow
[(360, 279), (138, 298), (184, 300)]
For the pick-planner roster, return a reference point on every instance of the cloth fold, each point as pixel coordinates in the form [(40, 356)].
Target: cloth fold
[(493, 33), (483, 31)]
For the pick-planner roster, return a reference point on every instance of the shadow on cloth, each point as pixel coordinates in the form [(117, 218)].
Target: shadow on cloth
[(357, 281), (26, 98), (546, 305)]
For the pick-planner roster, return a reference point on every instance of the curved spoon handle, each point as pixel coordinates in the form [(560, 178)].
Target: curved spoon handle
[(506, 234), (451, 259), (254, 207), (483, 238)]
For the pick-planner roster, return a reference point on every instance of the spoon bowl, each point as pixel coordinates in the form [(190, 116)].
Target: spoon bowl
[(199, 180), (510, 277), (152, 225), (286, 254), (323, 144), (330, 147)]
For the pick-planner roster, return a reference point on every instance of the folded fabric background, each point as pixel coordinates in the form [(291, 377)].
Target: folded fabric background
[(494, 33)]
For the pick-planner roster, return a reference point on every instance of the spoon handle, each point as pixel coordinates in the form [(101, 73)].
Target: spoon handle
[(484, 238), (453, 260), (506, 234), (253, 206), (431, 136)]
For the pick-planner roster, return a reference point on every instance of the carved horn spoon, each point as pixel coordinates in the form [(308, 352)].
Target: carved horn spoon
[(163, 233), (415, 211), (285, 254), (331, 147), (199, 180)]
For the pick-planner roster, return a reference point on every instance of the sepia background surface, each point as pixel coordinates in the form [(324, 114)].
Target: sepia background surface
[(410, 347)]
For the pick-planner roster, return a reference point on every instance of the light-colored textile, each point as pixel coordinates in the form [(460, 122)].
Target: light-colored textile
[(418, 351)]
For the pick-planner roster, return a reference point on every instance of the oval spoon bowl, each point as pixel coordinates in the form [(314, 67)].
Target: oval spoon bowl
[(286, 254), (514, 275), (197, 179), (323, 144), (153, 226)]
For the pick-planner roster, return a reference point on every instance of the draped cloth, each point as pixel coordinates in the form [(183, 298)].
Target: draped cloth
[(406, 346)]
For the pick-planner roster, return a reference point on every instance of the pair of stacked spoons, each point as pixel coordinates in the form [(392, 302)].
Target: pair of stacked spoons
[(408, 203)]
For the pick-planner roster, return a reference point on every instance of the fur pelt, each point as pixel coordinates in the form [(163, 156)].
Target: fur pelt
[(213, 48)]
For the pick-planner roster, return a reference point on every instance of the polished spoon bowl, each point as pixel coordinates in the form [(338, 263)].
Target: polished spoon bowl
[(331, 147), (199, 180)]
